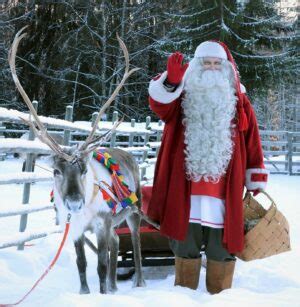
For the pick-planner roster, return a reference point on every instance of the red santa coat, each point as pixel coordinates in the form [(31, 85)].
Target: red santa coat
[(171, 194)]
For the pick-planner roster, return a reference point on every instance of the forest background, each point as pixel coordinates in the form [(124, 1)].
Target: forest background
[(71, 55)]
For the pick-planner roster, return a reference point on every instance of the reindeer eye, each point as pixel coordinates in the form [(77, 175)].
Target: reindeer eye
[(57, 172)]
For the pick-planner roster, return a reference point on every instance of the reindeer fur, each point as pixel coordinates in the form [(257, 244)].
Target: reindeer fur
[(96, 216)]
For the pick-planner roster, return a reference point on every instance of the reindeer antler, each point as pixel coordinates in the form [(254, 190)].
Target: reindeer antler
[(41, 132), (126, 75)]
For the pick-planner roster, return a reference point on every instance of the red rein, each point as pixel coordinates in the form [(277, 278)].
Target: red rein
[(49, 267)]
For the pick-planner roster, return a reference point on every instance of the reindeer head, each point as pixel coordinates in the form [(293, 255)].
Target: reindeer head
[(70, 164), (70, 179)]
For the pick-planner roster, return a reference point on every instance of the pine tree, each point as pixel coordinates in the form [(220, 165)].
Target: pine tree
[(261, 43)]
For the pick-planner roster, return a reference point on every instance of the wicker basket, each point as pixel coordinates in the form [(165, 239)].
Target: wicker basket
[(267, 231)]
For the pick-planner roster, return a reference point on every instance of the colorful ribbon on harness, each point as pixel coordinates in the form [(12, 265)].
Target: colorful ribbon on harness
[(120, 188), (123, 194)]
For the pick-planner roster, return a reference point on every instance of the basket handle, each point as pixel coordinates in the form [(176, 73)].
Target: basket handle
[(266, 194), (269, 197)]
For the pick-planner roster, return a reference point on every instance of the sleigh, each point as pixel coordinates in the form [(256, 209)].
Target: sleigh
[(154, 247)]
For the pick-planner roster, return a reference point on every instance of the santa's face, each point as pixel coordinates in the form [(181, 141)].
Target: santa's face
[(206, 73), (212, 63)]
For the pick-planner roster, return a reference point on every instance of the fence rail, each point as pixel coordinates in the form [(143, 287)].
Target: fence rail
[(281, 148), (26, 236), (143, 140)]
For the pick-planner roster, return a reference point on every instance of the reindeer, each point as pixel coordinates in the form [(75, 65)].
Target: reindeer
[(76, 191)]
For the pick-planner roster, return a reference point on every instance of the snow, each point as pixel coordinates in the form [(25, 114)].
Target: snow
[(20, 145), (273, 281), (15, 116), (24, 177)]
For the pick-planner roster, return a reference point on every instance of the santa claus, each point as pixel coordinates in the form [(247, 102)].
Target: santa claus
[(210, 151)]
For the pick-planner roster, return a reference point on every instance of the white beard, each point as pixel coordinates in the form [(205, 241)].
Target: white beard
[(208, 106)]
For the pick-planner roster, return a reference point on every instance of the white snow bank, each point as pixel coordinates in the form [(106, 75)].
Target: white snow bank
[(271, 282)]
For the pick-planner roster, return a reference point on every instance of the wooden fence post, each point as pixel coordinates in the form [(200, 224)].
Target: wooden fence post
[(2, 129), (68, 117), (113, 135), (290, 152), (145, 153), (29, 167), (131, 136), (148, 122)]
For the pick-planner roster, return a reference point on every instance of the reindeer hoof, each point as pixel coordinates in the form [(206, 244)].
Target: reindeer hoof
[(84, 290), (138, 283), (103, 290), (112, 289)]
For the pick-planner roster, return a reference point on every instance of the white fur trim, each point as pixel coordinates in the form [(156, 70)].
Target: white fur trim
[(158, 92), (254, 185), (243, 89), (210, 49)]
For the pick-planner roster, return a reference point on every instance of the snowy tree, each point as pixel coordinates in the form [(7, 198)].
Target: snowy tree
[(262, 44), (71, 55)]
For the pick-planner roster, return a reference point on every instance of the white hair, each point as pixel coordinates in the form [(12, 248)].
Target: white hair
[(208, 109)]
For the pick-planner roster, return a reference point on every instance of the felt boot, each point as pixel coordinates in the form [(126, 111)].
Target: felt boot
[(219, 275), (187, 272)]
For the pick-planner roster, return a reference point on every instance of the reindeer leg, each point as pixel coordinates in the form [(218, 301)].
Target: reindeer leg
[(113, 260), (102, 259), (81, 265), (133, 222), (122, 215)]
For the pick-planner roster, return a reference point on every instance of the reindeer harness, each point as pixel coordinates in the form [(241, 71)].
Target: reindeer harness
[(119, 196)]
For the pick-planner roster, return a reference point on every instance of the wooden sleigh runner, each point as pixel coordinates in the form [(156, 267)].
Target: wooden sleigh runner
[(154, 247), (269, 225)]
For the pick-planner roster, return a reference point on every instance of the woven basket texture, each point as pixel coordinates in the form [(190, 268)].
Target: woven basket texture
[(270, 231)]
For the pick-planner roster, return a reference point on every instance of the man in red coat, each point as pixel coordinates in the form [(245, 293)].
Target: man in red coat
[(210, 150)]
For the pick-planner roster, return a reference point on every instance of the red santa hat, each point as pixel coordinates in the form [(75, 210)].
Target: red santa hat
[(210, 49), (220, 50)]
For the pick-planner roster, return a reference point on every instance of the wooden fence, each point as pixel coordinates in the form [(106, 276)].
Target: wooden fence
[(141, 139), (281, 151), (281, 148)]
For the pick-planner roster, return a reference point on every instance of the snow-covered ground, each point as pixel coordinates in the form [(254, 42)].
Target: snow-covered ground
[(272, 282)]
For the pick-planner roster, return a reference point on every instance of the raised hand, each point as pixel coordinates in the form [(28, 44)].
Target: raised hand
[(175, 68)]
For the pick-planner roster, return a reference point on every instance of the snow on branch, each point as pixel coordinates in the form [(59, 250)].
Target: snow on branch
[(278, 38), (260, 22), (197, 29), (245, 41), (23, 237), (262, 57), (193, 15), (255, 21), (229, 11)]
